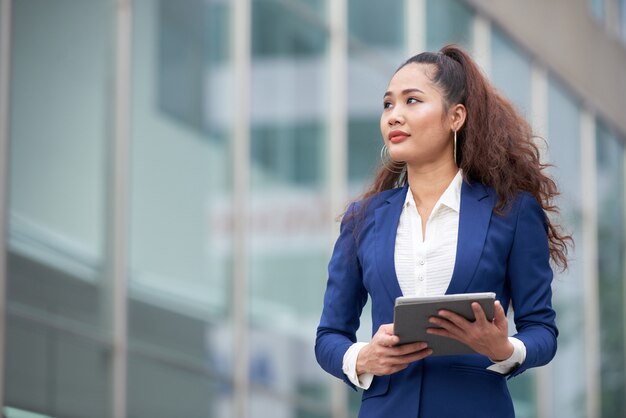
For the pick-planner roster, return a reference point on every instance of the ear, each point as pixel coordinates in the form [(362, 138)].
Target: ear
[(457, 115)]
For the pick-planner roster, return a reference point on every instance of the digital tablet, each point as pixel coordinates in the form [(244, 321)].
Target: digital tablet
[(411, 316)]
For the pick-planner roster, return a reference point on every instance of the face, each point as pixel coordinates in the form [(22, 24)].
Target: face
[(412, 123)]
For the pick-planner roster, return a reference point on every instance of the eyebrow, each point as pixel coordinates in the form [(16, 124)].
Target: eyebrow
[(405, 92)]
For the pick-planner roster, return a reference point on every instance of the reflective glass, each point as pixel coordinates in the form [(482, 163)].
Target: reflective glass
[(510, 71), (59, 374), (181, 222), (288, 29), (59, 108), (611, 224), (288, 202), (622, 19), (597, 8), (160, 389), (263, 405), (57, 341), (564, 152), (374, 23), (449, 21), (376, 50)]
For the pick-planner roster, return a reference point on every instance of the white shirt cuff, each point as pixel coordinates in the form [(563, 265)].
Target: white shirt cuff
[(349, 367), (517, 358)]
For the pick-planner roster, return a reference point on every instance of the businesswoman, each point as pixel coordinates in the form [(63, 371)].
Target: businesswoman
[(458, 205)]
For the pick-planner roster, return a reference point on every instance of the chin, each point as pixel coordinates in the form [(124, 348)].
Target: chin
[(397, 155)]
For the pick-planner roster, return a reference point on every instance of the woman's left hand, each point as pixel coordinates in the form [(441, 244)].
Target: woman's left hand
[(489, 338)]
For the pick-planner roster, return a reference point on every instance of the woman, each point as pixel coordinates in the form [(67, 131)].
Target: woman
[(458, 206)]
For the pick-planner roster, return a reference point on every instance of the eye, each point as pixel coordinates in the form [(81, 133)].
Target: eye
[(386, 105), (411, 100)]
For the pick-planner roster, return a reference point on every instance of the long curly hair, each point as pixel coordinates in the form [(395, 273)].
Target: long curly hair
[(495, 145)]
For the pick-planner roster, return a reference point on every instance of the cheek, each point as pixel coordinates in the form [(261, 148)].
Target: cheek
[(383, 127), (429, 122)]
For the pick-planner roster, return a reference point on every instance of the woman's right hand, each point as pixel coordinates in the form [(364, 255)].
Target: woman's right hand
[(381, 356)]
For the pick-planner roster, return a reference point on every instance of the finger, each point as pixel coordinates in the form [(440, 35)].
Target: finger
[(479, 313), (443, 323), (388, 340), (405, 349), (455, 318), (499, 314), (386, 329), (442, 333), (384, 336), (419, 355), (409, 358)]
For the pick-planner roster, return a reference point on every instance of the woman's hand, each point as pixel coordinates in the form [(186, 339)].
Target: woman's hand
[(483, 336), (381, 356)]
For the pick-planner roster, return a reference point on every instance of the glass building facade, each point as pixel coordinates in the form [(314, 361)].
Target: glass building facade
[(174, 173)]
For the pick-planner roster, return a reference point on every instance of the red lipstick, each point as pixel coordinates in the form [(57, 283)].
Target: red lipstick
[(397, 136)]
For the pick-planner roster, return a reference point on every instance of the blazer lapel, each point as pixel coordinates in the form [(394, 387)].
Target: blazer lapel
[(475, 214), (387, 218)]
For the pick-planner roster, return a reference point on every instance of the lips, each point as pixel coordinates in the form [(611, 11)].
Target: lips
[(397, 136)]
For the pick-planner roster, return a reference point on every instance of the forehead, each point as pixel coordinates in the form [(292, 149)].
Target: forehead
[(414, 76)]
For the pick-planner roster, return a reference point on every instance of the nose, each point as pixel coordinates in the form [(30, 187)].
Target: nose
[(395, 117)]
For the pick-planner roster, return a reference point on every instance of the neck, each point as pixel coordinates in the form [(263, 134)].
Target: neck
[(429, 183)]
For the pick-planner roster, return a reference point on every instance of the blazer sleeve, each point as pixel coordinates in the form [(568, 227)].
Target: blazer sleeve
[(530, 279), (343, 301)]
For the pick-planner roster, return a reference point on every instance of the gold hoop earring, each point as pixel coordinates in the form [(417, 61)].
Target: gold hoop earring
[(388, 163)]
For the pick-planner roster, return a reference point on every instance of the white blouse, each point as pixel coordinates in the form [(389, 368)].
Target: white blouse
[(424, 264)]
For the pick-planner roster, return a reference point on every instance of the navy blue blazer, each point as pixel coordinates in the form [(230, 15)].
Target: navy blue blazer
[(507, 254)]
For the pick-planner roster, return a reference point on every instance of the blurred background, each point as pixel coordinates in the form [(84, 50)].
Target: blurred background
[(172, 172)]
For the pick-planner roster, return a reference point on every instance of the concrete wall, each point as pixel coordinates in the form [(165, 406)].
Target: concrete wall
[(565, 37)]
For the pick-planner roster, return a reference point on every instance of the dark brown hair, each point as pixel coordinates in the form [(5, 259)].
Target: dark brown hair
[(495, 144)]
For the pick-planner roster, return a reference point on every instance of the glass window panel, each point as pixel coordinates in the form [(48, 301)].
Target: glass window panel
[(622, 18), (192, 37), (364, 143), (55, 373), (264, 405), (20, 413), (159, 389), (523, 391), (287, 29), (610, 195), (60, 76), (367, 83), (370, 67), (377, 23), (449, 21), (288, 203), (510, 70), (564, 152), (180, 206), (510, 73), (376, 50), (597, 8), (279, 370), (57, 342)]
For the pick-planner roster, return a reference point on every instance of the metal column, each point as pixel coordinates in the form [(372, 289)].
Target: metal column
[(5, 69), (241, 35), (118, 249)]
